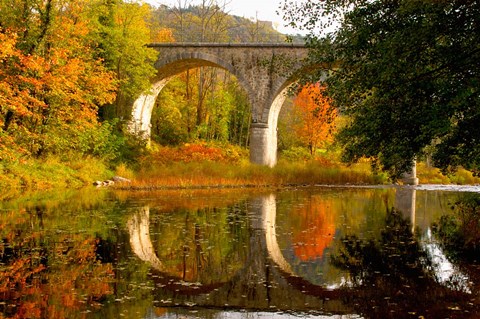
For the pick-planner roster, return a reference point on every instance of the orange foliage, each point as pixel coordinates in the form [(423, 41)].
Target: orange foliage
[(50, 94), (164, 35), (194, 152), (316, 115), (53, 281), (316, 230)]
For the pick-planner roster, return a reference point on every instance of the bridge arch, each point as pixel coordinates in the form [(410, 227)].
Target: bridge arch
[(265, 265), (265, 71)]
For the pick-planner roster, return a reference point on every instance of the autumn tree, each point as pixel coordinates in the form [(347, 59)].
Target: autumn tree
[(406, 72), (51, 82), (122, 33), (316, 117), (163, 35)]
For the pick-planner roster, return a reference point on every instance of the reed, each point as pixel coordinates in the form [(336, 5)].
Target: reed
[(243, 174)]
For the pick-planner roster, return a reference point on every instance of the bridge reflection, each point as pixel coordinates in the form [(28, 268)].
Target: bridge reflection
[(266, 280)]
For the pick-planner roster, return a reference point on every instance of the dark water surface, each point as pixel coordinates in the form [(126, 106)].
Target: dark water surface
[(299, 253)]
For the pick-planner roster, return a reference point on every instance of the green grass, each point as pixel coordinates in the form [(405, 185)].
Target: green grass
[(47, 174)]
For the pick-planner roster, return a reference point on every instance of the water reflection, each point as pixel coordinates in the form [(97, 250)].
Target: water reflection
[(405, 202), (310, 253), (445, 271), (139, 229), (268, 210), (262, 279)]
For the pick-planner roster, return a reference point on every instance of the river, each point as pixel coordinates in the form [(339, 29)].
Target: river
[(316, 252)]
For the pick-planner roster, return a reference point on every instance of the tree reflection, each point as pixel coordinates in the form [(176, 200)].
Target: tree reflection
[(46, 272), (393, 276), (316, 228), (397, 254), (202, 246), (459, 233), (459, 236)]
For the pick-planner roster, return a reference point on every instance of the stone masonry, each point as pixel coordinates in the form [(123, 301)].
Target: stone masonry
[(265, 71)]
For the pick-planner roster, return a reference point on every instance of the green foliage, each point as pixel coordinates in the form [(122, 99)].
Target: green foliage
[(297, 153), (170, 115), (239, 116), (122, 34), (405, 73), (460, 232), (224, 114)]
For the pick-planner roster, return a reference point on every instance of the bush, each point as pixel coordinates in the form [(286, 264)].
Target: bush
[(196, 152), (296, 153)]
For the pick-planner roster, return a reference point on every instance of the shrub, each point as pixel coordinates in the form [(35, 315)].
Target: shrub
[(296, 153)]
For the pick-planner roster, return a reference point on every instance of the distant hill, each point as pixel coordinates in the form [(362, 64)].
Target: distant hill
[(212, 24)]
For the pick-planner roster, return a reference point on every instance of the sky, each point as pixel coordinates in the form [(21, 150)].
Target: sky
[(264, 10)]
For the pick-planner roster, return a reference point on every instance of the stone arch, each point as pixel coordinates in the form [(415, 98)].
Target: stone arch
[(264, 71), (269, 137), (167, 68)]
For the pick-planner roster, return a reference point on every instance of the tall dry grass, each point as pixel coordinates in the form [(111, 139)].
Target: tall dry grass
[(154, 175)]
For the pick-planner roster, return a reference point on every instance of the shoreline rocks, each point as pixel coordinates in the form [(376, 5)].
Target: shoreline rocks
[(112, 181)]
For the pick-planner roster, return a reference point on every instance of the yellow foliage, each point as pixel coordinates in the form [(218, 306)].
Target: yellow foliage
[(164, 35)]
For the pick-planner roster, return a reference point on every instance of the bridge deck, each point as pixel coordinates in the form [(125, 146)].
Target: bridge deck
[(225, 45)]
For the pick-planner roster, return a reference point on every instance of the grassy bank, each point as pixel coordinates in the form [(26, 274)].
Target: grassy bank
[(432, 175), (218, 174), (199, 166), (46, 174)]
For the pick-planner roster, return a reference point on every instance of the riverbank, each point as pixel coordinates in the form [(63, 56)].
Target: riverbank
[(150, 174), (41, 175), (244, 174), (196, 166)]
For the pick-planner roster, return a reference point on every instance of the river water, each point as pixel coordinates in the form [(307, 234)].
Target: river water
[(320, 252)]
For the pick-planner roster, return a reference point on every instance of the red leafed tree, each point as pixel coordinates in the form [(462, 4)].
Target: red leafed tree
[(316, 221), (316, 117)]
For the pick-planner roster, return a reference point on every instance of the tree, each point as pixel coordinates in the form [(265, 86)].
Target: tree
[(122, 34), (51, 82), (316, 116), (406, 73)]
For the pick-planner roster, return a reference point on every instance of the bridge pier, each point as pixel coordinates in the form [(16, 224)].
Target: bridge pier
[(263, 144), (410, 178)]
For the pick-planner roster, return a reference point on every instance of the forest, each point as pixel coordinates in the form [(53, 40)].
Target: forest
[(71, 69)]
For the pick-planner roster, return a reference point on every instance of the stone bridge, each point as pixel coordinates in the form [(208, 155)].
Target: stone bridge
[(265, 71)]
